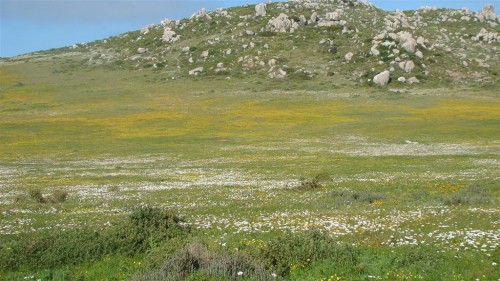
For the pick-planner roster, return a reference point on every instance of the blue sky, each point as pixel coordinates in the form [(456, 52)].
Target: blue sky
[(31, 25)]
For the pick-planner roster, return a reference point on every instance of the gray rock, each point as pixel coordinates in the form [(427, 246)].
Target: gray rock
[(280, 23), (382, 78), (277, 73), (332, 16), (260, 10), (348, 56), (142, 50), (196, 71), (407, 66), (314, 17), (410, 46), (303, 20), (487, 13), (204, 55), (169, 36), (413, 80)]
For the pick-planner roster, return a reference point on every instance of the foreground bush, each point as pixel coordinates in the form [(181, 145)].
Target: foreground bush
[(297, 251), (472, 195), (144, 228), (278, 258), (196, 260)]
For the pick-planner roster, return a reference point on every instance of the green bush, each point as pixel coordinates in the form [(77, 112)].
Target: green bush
[(59, 196), (472, 195), (197, 262), (295, 251), (347, 197), (37, 195), (145, 228), (313, 183), (267, 34)]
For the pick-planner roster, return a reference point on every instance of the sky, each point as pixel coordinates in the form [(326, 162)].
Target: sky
[(32, 25)]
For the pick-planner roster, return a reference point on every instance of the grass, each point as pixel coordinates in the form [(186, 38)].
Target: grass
[(308, 179), (370, 168)]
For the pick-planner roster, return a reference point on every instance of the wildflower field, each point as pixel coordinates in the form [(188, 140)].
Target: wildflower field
[(247, 179)]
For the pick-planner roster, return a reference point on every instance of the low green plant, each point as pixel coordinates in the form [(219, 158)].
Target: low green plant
[(472, 195), (295, 251), (197, 262), (145, 228), (347, 196), (36, 194), (59, 196), (267, 34), (313, 183)]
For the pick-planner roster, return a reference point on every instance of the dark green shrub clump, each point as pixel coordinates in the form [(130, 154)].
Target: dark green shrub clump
[(347, 197), (57, 196), (37, 195), (197, 260), (267, 34), (294, 251), (144, 229), (473, 195), (313, 183)]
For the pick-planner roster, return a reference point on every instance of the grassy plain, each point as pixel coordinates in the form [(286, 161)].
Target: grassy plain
[(399, 169)]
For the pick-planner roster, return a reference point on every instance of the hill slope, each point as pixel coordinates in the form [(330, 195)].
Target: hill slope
[(305, 40)]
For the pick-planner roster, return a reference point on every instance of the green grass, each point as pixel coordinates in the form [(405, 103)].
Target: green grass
[(245, 161), (397, 183)]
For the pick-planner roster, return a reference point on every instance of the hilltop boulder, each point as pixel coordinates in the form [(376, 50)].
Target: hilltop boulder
[(487, 13), (201, 14), (486, 36), (260, 10), (280, 23), (169, 36), (382, 78)]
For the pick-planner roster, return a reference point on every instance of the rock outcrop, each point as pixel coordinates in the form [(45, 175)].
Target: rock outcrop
[(260, 10), (382, 78), (487, 13), (169, 36), (196, 71), (280, 23), (407, 66)]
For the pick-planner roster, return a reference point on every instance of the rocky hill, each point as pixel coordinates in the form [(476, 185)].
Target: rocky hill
[(305, 39)]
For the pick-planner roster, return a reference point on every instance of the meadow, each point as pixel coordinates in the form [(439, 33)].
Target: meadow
[(288, 180)]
